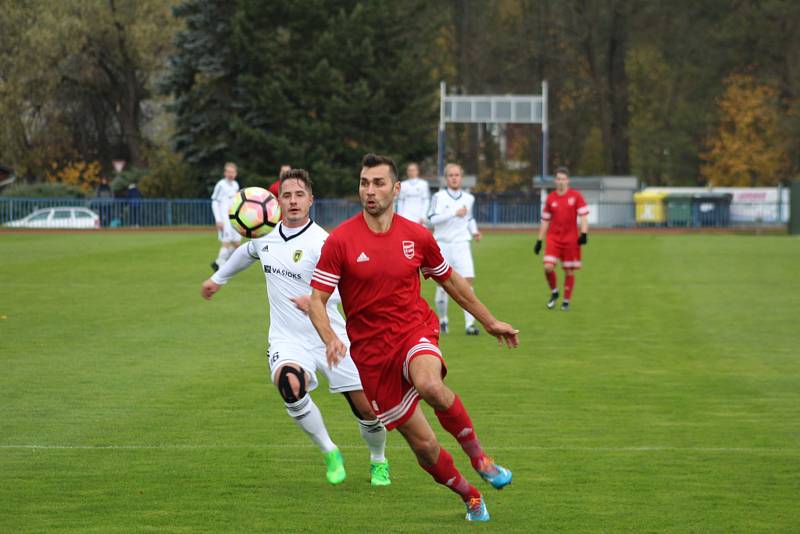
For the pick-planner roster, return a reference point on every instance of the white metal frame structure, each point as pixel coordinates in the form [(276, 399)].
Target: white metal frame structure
[(489, 109)]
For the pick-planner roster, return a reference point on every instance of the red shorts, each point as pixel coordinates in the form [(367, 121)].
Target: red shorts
[(387, 385), (568, 253)]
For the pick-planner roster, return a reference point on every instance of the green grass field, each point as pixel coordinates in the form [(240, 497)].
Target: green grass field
[(667, 400)]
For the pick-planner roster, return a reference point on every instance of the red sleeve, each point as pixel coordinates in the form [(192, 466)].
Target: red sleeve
[(329, 267), (546, 214), (275, 187), (580, 203), (433, 263)]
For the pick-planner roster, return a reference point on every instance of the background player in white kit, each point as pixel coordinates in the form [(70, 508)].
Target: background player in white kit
[(414, 197), (221, 200), (454, 227), (288, 256)]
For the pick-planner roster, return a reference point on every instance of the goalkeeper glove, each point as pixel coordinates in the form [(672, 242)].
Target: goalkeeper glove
[(583, 239), (537, 248)]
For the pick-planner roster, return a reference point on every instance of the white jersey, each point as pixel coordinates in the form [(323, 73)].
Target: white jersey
[(447, 226), (288, 257), (222, 198), (413, 200)]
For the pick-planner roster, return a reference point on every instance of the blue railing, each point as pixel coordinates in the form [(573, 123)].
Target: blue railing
[(115, 213)]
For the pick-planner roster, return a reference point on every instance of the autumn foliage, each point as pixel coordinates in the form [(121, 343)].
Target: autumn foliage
[(748, 149)]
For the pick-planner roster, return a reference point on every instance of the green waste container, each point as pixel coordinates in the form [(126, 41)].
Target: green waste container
[(679, 209)]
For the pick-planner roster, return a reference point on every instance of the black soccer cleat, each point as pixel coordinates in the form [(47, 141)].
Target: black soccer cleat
[(565, 306), (214, 266), (443, 327), (553, 299), (472, 330)]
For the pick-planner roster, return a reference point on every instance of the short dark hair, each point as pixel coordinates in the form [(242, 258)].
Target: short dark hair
[(375, 160), (301, 175), (561, 169)]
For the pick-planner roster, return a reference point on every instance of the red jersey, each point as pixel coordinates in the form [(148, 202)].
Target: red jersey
[(378, 280), (562, 211), (275, 187)]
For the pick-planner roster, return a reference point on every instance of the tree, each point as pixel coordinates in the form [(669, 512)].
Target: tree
[(748, 149), (76, 77), (202, 79), (316, 84)]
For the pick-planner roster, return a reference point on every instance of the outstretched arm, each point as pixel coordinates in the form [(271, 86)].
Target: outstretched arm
[(462, 293), (240, 260), (335, 350)]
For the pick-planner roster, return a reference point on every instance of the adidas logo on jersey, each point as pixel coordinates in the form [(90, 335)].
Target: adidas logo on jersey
[(362, 258)]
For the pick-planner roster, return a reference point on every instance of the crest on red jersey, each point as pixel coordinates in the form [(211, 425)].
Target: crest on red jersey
[(408, 249), (571, 201)]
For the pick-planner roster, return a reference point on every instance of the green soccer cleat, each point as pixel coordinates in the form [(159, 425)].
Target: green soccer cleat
[(379, 473), (335, 467)]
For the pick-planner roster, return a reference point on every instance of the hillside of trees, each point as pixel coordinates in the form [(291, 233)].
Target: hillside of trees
[(676, 93)]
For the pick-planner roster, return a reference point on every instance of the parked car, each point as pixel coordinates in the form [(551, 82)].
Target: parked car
[(65, 217)]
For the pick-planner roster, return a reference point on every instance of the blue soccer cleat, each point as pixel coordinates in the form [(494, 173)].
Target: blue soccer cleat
[(476, 509), (496, 475)]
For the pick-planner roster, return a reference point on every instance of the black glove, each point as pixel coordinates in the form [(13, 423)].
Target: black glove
[(537, 248), (583, 239)]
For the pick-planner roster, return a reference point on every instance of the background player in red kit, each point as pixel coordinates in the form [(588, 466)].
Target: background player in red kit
[(375, 259), (559, 222)]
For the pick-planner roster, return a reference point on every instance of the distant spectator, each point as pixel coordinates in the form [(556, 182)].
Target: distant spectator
[(104, 189), (134, 204), (105, 198)]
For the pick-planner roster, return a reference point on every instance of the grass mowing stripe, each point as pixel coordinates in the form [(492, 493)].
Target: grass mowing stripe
[(665, 400)]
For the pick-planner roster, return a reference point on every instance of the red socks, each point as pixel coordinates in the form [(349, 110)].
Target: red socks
[(445, 473), (456, 420), (569, 283), (551, 280)]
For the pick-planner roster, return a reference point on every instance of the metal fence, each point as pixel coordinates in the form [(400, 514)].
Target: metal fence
[(498, 212)]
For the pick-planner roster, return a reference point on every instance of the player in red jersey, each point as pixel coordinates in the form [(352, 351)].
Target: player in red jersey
[(276, 185), (375, 259), (561, 211)]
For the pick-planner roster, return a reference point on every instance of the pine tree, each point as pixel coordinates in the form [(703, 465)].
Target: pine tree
[(315, 84), (202, 77)]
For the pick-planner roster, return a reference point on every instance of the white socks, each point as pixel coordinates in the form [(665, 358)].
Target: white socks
[(223, 255), (441, 300), (374, 435), (469, 320), (308, 417)]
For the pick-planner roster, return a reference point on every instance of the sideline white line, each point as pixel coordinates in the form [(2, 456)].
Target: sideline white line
[(168, 446)]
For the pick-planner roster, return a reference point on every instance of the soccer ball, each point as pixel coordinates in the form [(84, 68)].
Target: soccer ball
[(254, 212)]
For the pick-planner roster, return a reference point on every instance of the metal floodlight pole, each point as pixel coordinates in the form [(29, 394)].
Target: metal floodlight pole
[(545, 131), (441, 144)]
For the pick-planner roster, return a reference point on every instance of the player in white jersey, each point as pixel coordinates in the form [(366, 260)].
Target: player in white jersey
[(288, 256), (414, 197), (454, 227), (221, 200)]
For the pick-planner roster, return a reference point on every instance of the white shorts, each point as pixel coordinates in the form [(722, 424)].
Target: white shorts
[(459, 256), (228, 234), (343, 377)]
